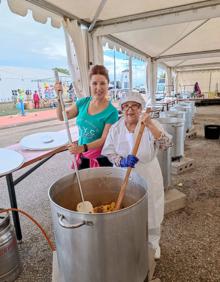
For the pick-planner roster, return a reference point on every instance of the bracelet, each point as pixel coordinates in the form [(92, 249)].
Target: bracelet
[(85, 147)]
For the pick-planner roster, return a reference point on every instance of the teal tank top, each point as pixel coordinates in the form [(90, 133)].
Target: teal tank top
[(92, 126)]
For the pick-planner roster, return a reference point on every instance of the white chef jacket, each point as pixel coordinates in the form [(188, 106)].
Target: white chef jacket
[(120, 142)]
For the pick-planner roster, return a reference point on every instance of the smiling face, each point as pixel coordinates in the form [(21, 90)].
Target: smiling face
[(132, 111), (99, 86)]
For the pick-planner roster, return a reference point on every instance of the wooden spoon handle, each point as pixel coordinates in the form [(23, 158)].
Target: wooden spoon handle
[(134, 152)]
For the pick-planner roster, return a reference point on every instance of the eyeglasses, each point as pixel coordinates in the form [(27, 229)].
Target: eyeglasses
[(126, 107)]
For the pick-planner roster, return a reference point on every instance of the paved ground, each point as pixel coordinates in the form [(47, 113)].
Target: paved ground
[(30, 118), (190, 239), (12, 135), (13, 128), (17, 120)]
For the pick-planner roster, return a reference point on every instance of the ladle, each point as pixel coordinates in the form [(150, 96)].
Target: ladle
[(84, 206), (134, 152)]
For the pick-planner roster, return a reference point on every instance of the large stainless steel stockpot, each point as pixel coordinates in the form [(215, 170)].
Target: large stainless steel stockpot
[(176, 114), (192, 105), (100, 247), (164, 158), (175, 127), (188, 110), (10, 266)]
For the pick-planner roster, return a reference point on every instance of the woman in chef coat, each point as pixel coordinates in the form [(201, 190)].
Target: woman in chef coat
[(118, 148)]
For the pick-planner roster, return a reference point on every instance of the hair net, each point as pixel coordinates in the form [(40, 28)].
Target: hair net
[(132, 96)]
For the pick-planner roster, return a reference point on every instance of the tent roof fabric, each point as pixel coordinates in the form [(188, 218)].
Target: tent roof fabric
[(184, 29)]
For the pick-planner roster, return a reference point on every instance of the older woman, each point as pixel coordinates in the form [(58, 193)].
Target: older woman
[(118, 148), (95, 115)]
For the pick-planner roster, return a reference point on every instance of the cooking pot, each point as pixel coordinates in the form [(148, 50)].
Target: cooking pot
[(175, 127), (188, 110), (164, 158), (192, 105), (176, 114), (101, 247)]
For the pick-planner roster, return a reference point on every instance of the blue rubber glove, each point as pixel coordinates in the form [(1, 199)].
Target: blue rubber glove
[(129, 161)]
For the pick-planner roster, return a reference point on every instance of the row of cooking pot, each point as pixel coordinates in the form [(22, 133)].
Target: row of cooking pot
[(176, 122)]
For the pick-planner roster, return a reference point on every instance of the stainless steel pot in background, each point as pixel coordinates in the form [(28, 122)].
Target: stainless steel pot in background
[(188, 110), (10, 266), (176, 114), (191, 104), (164, 158), (175, 127), (100, 247)]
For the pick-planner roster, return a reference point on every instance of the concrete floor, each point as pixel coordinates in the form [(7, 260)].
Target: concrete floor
[(32, 196)]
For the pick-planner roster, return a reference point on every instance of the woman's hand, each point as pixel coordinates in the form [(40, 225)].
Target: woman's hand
[(146, 119), (75, 149), (129, 161), (58, 87)]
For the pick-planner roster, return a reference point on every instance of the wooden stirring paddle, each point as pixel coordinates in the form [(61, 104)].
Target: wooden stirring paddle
[(134, 152)]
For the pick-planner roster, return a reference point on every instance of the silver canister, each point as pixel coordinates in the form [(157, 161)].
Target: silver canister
[(10, 266)]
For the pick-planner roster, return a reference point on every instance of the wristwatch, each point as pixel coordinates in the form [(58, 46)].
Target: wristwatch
[(85, 147)]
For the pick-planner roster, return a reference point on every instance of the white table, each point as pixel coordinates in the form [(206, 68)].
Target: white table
[(27, 157)]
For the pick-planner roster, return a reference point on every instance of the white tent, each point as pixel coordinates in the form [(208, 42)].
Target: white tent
[(182, 34)]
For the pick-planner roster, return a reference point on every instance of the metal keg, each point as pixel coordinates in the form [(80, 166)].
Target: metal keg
[(10, 266)]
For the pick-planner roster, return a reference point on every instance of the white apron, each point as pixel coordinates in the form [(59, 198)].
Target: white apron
[(120, 141)]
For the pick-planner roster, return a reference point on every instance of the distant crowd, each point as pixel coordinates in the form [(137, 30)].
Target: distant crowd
[(38, 98)]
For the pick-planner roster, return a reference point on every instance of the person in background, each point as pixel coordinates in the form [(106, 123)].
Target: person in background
[(94, 117), (21, 101), (71, 93), (14, 96), (36, 100), (118, 148), (197, 91)]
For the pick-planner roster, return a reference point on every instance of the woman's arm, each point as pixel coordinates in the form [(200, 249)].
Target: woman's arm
[(146, 119), (75, 149), (71, 112)]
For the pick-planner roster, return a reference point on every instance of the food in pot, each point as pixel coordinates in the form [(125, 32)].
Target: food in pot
[(104, 208)]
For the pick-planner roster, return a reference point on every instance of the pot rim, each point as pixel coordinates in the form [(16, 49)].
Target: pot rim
[(94, 214), (99, 214)]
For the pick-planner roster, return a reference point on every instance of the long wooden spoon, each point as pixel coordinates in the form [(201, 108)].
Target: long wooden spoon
[(84, 206), (134, 152)]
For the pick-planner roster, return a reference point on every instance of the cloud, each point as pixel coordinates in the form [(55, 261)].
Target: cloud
[(52, 51), (28, 43)]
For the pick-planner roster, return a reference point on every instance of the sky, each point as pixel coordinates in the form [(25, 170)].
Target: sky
[(27, 43)]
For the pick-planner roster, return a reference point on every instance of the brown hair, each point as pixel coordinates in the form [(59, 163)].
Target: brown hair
[(99, 69)]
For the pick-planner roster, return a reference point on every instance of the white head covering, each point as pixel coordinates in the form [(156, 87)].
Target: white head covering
[(132, 96)]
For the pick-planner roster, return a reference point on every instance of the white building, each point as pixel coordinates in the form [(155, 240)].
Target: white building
[(13, 78)]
